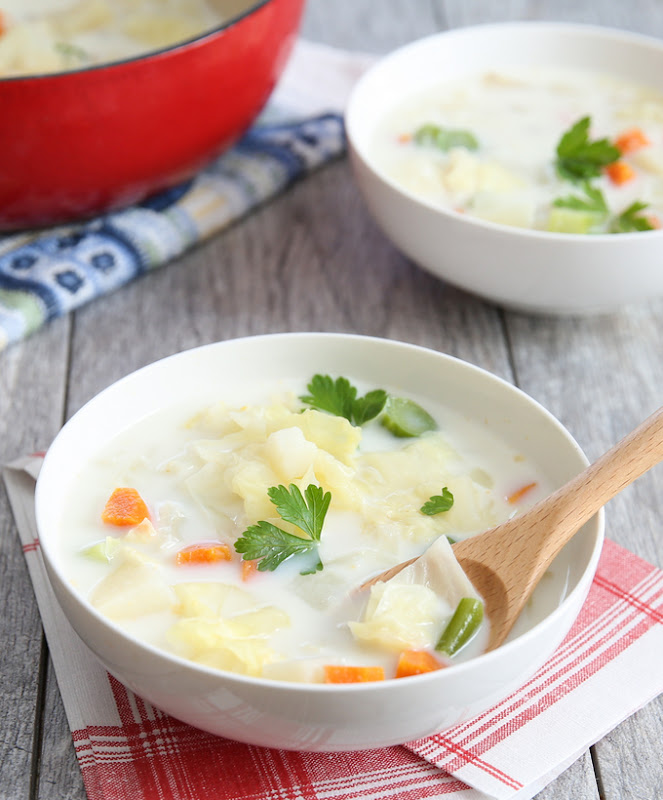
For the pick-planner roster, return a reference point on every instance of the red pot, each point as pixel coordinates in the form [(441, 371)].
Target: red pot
[(78, 143)]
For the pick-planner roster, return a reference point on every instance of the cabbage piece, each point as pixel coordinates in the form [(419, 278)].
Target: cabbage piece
[(104, 550), (211, 599), (251, 480), (209, 642), (289, 453), (208, 488), (334, 434), (335, 477), (134, 588), (399, 617), (395, 489), (29, 48), (86, 15), (412, 608), (143, 533), (160, 30), (299, 670), (218, 637)]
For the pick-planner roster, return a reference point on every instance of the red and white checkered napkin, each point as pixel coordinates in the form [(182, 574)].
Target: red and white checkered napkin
[(608, 667)]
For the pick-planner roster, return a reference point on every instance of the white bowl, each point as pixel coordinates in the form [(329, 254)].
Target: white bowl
[(529, 270), (314, 716)]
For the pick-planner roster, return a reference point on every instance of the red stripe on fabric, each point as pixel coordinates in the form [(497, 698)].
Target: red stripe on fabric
[(30, 547), (512, 724), (614, 559), (656, 615), (122, 701), (469, 757), (208, 766)]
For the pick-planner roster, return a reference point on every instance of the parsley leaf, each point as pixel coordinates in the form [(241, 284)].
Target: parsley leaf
[(307, 514), (594, 203), (339, 397), (272, 545), (445, 138), (578, 158), (631, 220), (369, 406), (438, 503)]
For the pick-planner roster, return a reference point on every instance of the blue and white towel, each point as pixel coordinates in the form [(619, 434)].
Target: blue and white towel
[(47, 274)]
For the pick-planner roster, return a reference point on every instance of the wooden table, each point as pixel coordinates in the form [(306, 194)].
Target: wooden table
[(314, 260)]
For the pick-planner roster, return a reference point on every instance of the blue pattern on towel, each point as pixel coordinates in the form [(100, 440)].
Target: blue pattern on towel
[(50, 273)]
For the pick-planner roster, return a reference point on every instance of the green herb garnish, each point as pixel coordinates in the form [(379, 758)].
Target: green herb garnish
[(632, 220), (339, 397), (594, 201), (438, 503), (445, 138), (272, 545), (579, 159)]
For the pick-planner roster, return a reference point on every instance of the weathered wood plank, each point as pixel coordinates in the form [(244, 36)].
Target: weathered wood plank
[(32, 390), (642, 16), (601, 376), (313, 260)]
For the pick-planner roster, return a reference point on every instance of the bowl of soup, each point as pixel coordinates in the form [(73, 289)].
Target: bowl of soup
[(208, 523), (522, 162), (106, 103)]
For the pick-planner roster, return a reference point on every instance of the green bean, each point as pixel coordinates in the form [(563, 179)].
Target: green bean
[(462, 626)]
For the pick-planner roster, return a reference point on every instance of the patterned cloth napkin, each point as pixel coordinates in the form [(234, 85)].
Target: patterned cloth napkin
[(608, 666), (46, 274)]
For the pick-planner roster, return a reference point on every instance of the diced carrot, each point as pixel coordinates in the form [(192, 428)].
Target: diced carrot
[(620, 172), (203, 554), (654, 221), (631, 140), (249, 568), (124, 507), (404, 138), (339, 673), (416, 662), (520, 493), (3, 23)]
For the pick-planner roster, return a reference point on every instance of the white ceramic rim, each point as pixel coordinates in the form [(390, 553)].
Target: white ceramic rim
[(596, 31), (571, 598)]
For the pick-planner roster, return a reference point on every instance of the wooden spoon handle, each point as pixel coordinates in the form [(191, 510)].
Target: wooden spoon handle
[(545, 528)]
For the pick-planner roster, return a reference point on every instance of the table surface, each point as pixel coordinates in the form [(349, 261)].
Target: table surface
[(313, 260)]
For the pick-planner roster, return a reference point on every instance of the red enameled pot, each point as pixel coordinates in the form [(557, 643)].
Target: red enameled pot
[(79, 143)]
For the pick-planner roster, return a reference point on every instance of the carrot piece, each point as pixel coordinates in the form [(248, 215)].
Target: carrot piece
[(4, 27), (203, 554), (416, 662), (631, 140), (404, 138), (520, 493), (339, 673), (249, 568), (620, 172), (654, 221), (124, 507)]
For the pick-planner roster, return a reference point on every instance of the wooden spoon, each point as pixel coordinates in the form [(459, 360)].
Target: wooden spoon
[(505, 563)]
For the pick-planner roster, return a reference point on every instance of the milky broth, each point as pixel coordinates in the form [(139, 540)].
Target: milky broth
[(517, 117), (178, 459), (41, 36)]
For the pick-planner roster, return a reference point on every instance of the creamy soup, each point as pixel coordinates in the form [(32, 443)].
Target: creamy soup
[(561, 150), (41, 36), (182, 571)]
